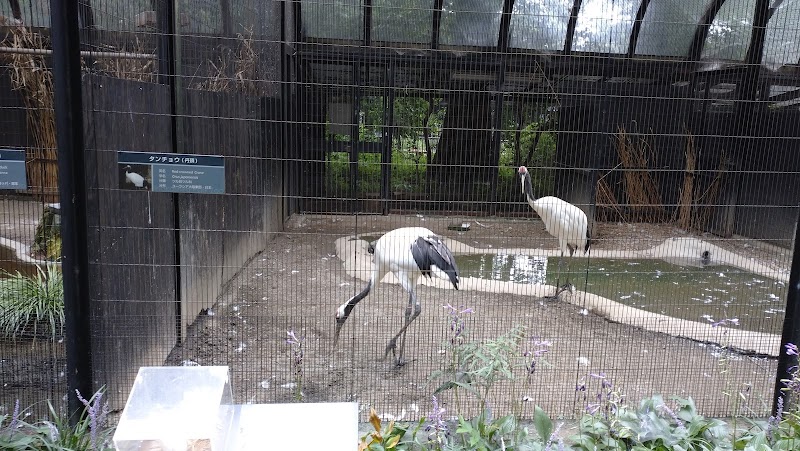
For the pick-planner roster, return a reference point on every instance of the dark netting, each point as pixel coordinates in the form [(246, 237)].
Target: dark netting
[(671, 125)]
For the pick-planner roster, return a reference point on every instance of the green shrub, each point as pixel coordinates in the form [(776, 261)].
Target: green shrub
[(32, 306), (90, 432)]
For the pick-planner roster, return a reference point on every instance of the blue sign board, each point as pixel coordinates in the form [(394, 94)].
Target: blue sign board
[(171, 172), (12, 169)]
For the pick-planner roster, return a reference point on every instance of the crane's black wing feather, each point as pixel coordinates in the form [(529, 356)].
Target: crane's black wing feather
[(431, 251)]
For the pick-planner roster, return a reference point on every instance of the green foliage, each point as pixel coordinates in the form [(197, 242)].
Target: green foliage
[(537, 147), (391, 437), (408, 173), (32, 305), (478, 366), (88, 434), (653, 425), (608, 424)]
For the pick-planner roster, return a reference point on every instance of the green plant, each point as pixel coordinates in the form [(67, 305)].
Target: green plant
[(297, 363), (653, 425), (391, 437), (476, 367), (90, 432), (782, 430), (32, 306)]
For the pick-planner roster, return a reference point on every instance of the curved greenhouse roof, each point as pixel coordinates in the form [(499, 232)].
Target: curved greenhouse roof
[(721, 30)]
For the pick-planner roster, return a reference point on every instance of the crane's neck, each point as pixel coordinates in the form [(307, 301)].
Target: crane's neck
[(527, 188)]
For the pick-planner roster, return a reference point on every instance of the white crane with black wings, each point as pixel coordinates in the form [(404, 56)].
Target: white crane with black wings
[(408, 252)]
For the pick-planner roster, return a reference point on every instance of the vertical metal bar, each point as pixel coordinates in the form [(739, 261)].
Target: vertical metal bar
[(791, 322), (437, 21), (388, 135), (354, 139), (176, 110), (86, 22), (72, 188), (284, 136), (165, 27), (167, 74), (497, 138), (225, 14), (367, 23)]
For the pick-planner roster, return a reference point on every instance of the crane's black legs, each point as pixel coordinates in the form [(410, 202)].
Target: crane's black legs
[(558, 279), (412, 312), (567, 285)]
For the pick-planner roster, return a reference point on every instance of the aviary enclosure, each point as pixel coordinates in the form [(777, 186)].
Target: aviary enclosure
[(671, 124)]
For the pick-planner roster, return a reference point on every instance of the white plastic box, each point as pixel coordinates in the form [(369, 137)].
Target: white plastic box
[(177, 408)]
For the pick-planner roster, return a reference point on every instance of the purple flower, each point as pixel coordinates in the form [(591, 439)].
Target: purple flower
[(96, 413), (672, 415), (456, 322), (436, 424), (554, 438), (540, 348), (14, 417), (775, 421), (791, 349), (297, 351), (292, 340)]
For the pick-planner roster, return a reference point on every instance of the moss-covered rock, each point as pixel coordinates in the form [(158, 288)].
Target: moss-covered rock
[(47, 240)]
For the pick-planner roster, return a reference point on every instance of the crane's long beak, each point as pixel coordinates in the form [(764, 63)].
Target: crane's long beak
[(339, 324)]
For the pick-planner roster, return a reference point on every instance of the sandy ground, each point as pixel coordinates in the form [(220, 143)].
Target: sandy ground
[(298, 281)]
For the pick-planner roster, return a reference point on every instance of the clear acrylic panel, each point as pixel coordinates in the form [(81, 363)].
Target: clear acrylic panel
[(402, 20), (333, 19), (782, 40), (604, 26), (540, 24), (668, 27), (729, 34), (470, 22)]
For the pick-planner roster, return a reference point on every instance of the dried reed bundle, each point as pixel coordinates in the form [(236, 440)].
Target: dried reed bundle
[(243, 66), (706, 202), (643, 196), (31, 76), (685, 203), (137, 69), (607, 205)]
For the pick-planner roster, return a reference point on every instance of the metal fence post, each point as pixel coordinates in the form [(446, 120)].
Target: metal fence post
[(72, 187), (791, 322)]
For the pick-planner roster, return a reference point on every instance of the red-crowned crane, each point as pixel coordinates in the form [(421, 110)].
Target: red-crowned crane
[(134, 178), (563, 220), (408, 252)]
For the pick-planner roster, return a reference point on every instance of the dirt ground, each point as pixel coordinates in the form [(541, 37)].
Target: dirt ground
[(297, 283)]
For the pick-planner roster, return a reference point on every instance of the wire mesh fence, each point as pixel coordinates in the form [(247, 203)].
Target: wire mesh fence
[(671, 127)]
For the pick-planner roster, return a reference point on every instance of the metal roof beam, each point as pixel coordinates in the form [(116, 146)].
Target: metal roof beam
[(755, 50), (701, 33), (437, 21), (571, 25), (637, 27), (504, 37)]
